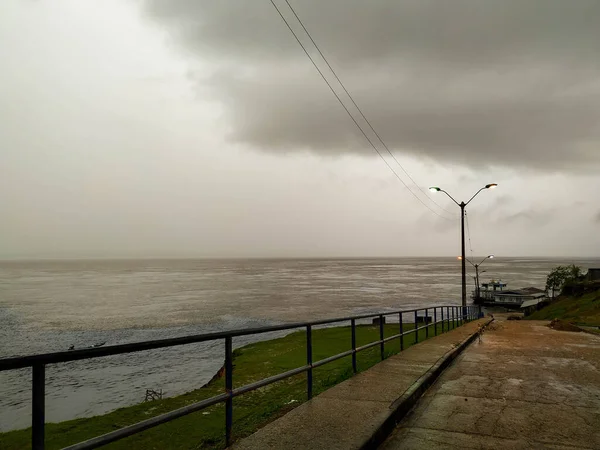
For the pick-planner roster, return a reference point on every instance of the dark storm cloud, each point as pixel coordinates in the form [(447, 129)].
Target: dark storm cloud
[(506, 82)]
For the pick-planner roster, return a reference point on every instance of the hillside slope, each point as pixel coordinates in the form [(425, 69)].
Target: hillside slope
[(582, 310)]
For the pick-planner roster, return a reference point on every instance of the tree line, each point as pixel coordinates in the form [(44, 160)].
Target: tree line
[(562, 276)]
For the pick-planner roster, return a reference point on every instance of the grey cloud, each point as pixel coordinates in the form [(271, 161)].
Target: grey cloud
[(502, 200), (479, 83), (597, 217), (538, 217)]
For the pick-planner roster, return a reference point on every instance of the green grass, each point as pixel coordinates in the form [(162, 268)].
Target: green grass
[(206, 428), (583, 310)]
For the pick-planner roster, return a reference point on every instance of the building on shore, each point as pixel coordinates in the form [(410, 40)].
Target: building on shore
[(531, 306), (592, 275), (495, 294)]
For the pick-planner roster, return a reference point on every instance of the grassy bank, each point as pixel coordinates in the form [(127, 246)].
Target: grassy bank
[(581, 310), (206, 428)]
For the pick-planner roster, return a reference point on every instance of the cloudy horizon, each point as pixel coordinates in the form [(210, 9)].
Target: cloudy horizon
[(154, 128)]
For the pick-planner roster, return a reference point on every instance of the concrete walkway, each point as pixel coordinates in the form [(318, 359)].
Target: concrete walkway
[(348, 415), (524, 386)]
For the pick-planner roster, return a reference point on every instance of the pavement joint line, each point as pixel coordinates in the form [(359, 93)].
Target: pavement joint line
[(467, 433), (413, 427), (405, 403), (507, 399)]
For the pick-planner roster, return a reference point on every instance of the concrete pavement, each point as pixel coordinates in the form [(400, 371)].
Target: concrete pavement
[(353, 414), (524, 386)]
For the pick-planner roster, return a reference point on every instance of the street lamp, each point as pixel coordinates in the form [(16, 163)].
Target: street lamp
[(462, 230), (476, 281), (477, 273)]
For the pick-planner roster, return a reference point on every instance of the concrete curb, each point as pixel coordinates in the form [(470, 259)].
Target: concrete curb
[(400, 407)]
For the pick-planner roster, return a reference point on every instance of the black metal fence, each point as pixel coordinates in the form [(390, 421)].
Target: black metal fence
[(448, 316)]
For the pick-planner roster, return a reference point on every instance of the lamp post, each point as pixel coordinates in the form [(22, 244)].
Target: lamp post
[(462, 206), (478, 286), (476, 281), (477, 273)]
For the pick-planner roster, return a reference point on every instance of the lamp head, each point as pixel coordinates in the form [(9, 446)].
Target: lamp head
[(434, 189), (491, 256), (491, 186)]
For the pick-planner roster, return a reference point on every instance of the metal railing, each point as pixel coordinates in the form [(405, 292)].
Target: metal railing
[(38, 363)]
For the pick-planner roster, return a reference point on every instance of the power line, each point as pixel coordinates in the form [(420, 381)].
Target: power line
[(348, 111), (360, 110), (469, 234)]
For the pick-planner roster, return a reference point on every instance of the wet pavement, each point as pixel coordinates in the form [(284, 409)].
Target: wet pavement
[(348, 415), (523, 385)]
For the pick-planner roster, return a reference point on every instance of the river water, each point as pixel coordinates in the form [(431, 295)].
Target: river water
[(50, 305)]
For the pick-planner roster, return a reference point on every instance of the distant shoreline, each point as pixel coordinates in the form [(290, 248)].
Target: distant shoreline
[(282, 258)]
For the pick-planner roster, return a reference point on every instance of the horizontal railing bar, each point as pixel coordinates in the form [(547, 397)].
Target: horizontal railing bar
[(76, 355), (364, 347), (145, 424), (332, 358), (267, 381), (21, 362), (391, 338)]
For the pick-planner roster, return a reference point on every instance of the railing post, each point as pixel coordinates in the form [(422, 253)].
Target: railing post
[(309, 372), (382, 344), (435, 320), (448, 315), (228, 388), (401, 332), (426, 323), (353, 326), (38, 406), (416, 330)]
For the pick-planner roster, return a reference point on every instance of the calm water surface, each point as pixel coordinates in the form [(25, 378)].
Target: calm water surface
[(50, 305)]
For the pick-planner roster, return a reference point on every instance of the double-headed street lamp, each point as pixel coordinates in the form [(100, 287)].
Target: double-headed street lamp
[(477, 273), (462, 230)]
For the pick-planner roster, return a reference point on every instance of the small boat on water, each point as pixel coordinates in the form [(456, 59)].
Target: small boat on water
[(99, 344)]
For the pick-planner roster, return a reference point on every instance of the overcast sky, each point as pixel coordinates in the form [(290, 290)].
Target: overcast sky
[(166, 128)]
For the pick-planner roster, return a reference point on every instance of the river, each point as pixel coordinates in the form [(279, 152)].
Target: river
[(50, 305)]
